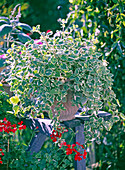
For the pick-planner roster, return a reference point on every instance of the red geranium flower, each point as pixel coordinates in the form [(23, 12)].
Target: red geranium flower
[(14, 125), (0, 161), (4, 119), (68, 151), (13, 130), (2, 153), (29, 34), (1, 129), (48, 31), (22, 127), (77, 157), (20, 123), (84, 157), (85, 153), (73, 145)]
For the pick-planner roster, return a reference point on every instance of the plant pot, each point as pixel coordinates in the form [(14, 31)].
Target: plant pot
[(7, 89), (70, 111)]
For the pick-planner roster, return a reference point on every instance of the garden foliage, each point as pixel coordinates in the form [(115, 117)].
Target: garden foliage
[(43, 71), (104, 21)]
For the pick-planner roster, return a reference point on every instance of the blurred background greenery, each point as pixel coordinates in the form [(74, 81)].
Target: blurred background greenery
[(103, 20), (42, 12)]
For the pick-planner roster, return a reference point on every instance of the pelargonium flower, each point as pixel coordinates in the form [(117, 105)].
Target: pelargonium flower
[(80, 144), (68, 151), (20, 123), (29, 33), (5, 119), (2, 153), (48, 31), (77, 157), (62, 144), (22, 127), (0, 161)]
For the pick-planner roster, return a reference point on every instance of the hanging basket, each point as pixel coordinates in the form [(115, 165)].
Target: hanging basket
[(70, 111)]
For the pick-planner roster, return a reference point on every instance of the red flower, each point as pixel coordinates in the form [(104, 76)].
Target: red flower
[(29, 33), (0, 161), (80, 144), (22, 127), (58, 135), (68, 146), (77, 157), (65, 130), (85, 153), (73, 145), (63, 144), (14, 125), (84, 157), (2, 153), (4, 119), (37, 127), (48, 31), (68, 151), (1, 129), (20, 123), (8, 123), (0, 149), (54, 139), (13, 130)]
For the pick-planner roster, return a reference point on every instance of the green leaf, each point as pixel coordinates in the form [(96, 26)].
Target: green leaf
[(3, 22), (50, 114), (4, 18), (95, 94), (24, 26), (63, 66), (77, 87), (48, 72), (10, 112), (107, 125), (122, 116), (14, 100), (23, 37), (64, 57), (53, 91), (118, 103), (5, 29), (16, 109), (116, 118)]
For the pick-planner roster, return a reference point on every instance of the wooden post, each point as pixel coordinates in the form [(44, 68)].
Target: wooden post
[(36, 143), (80, 165)]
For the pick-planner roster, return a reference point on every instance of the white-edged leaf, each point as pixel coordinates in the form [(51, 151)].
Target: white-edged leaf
[(14, 100)]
